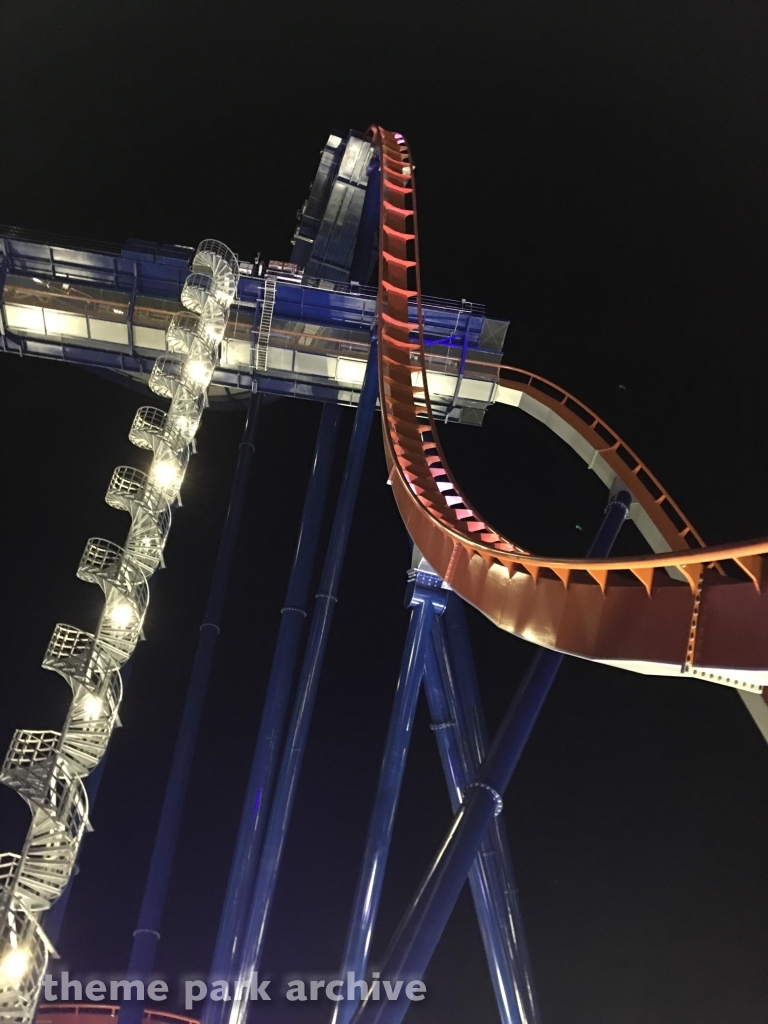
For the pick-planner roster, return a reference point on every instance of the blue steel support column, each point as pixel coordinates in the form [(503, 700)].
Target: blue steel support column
[(423, 924), (454, 655), (309, 678), (426, 602), (147, 933), (258, 796), (481, 878)]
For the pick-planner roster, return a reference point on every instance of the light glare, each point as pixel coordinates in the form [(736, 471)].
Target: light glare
[(197, 371), (14, 965), (92, 707), (121, 615), (166, 474)]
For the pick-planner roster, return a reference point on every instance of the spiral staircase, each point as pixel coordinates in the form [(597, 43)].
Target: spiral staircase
[(45, 767)]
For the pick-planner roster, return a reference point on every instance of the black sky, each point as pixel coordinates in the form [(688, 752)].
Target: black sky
[(596, 173)]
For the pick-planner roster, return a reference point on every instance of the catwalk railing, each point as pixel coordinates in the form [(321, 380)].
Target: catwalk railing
[(46, 768)]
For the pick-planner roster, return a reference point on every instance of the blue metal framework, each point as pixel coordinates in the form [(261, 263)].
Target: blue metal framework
[(309, 678), (424, 921), (325, 245), (107, 309), (451, 691), (147, 933), (508, 958), (306, 329), (427, 602), (261, 783)]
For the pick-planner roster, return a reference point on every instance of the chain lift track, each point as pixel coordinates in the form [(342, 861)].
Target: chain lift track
[(704, 615), (47, 768)]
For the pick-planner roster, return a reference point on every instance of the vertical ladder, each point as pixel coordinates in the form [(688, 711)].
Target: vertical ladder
[(265, 323)]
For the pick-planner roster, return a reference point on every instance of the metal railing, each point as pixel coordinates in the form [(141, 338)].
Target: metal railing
[(46, 767)]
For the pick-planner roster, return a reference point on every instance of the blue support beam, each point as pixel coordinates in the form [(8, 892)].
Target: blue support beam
[(423, 924), (456, 665), (482, 878), (147, 933), (322, 617), (461, 738), (258, 797), (426, 602)]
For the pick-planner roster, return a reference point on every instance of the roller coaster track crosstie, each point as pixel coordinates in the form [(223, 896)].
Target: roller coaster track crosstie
[(704, 615), (683, 608), (47, 768)]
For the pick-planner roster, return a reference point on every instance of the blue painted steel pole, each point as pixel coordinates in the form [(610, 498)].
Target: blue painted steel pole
[(482, 877), (309, 678), (147, 933), (454, 655), (258, 796), (423, 924), (426, 602)]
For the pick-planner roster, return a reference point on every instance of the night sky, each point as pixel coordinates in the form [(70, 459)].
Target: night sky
[(593, 171)]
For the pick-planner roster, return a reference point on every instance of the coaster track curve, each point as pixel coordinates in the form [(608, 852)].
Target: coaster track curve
[(685, 608)]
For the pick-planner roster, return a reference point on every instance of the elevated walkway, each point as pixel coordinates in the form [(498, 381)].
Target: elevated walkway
[(109, 309)]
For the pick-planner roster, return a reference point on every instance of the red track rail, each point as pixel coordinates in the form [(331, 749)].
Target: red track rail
[(618, 610)]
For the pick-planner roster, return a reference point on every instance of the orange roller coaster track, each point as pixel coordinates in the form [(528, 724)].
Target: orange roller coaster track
[(684, 608)]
